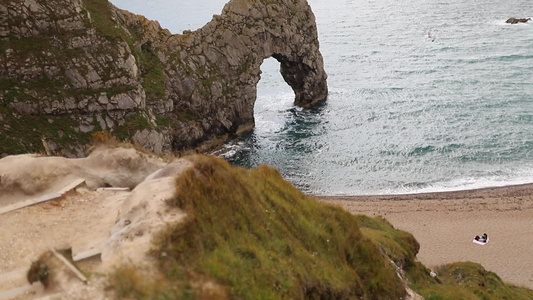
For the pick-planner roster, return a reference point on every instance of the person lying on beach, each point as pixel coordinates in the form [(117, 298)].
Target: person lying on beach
[(483, 239)]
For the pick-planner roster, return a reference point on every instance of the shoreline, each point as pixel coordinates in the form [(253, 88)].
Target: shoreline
[(444, 223), (430, 195)]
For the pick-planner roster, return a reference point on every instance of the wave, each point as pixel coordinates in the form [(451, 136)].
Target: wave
[(469, 183), (497, 58)]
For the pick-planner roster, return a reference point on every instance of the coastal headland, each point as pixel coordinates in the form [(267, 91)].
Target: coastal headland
[(76, 67)]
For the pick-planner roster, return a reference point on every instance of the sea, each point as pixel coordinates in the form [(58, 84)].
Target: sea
[(424, 96)]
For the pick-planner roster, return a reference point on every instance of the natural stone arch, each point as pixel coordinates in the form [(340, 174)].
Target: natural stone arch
[(218, 66), (302, 80), (92, 67)]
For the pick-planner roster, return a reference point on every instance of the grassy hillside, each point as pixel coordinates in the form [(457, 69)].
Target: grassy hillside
[(467, 280), (250, 234)]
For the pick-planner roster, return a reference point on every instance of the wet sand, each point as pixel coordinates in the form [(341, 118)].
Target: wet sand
[(445, 224)]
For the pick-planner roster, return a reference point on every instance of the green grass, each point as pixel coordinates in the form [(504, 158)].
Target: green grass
[(260, 238), (151, 67), (152, 73), (467, 280), (129, 283), (162, 121), (44, 86), (132, 123), (110, 92), (24, 133), (3, 45), (33, 45), (399, 245), (102, 19), (33, 90), (252, 235), (245, 66), (41, 48), (183, 116)]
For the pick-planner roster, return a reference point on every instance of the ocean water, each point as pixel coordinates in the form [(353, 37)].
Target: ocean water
[(424, 95)]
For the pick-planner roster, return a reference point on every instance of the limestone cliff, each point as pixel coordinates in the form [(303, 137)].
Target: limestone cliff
[(70, 68)]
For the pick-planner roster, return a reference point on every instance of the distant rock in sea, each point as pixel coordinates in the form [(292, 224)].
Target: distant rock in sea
[(516, 21)]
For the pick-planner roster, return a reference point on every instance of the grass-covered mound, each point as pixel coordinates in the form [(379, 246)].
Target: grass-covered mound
[(467, 280), (250, 234), (400, 246), (260, 238)]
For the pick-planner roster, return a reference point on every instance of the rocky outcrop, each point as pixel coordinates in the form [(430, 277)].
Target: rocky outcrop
[(71, 68), (516, 21)]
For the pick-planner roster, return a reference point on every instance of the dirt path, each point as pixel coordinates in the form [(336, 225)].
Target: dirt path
[(79, 220)]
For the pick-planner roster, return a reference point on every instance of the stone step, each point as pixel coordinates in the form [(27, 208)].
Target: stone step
[(43, 198)]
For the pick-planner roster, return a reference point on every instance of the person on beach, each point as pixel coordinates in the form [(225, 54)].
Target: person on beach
[(484, 238)]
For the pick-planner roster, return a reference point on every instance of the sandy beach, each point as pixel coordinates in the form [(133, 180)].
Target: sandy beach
[(445, 224)]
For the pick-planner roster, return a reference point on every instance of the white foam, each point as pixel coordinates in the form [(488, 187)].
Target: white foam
[(472, 183), (270, 112)]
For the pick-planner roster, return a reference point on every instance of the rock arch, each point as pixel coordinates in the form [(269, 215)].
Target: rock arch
[(218, 66), (75, 68)]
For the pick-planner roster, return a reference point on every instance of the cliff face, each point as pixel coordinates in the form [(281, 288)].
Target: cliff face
[(70, 68)]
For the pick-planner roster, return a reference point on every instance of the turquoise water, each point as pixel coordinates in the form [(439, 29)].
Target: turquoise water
[(424, 96)]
